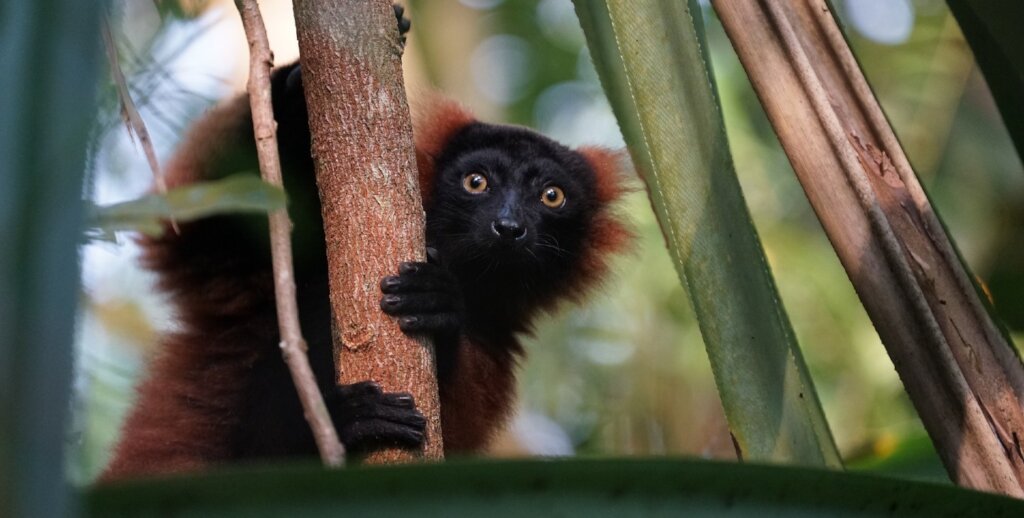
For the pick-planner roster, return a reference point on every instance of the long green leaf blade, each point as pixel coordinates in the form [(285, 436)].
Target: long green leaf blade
[(49, 63), (648, 487), (993, 30), (652, 60), (234, 194)]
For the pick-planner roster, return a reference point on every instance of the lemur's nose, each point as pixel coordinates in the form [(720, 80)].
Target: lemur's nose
[(508, 228)]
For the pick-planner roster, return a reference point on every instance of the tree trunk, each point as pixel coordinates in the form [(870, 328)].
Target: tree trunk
[(372, 210)]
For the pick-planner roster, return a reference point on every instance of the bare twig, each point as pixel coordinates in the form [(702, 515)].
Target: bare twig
[(132, 119), (293, 346), (958, 368)]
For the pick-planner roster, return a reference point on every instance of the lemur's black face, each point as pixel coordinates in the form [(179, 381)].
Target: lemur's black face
[(510, 202)]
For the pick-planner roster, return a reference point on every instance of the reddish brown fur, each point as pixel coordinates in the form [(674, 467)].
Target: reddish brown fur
[(193, 400), (435, 119), (477, 397), (608, 234), (192, 395)]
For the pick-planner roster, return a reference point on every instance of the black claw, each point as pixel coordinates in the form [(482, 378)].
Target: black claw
[(404, 399), (419, 277), (294, 79), (417, 420), (388, 284), (403, 23), (389, 302), (408, 268), (361, 388), (433, 256), (410, 439), (373, 387)]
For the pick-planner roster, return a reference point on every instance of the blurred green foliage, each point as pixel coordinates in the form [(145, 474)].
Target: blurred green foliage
[(49, 58), (993, 30), (626, 374)]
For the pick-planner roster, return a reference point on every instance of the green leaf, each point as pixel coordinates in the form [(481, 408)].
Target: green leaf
[(993, 29), (234, 194), (646, 487), (652, 60), (50, 64)]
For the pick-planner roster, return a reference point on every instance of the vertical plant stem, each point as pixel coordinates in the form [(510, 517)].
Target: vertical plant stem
[(956, 364), (652, 60), (293, 346)]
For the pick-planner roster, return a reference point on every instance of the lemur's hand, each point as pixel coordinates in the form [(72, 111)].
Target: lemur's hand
[(424, 297), (403, 23), (367, 418)]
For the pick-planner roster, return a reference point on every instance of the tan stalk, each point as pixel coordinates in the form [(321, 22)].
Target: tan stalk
[(132, 118), (293, 346), (956, 364)]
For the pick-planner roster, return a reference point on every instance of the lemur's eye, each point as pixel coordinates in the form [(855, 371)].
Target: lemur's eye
[(553, 197), (474, 183)]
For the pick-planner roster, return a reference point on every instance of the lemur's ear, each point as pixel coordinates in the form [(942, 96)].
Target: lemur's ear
[(609, 168), (436, 119), (609, 233)]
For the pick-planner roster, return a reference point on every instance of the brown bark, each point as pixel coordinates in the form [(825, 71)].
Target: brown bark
[(366, 172), (293, 346), (958, 368)]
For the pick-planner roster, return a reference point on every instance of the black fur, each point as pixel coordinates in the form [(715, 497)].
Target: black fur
[(496, 257), (403, 23), (477, 283), (480, 283)]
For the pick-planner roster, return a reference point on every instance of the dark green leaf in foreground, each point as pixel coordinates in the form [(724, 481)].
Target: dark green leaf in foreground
[(49, 59), (662, 487), (993, 29), (234, 194), (652, 60)]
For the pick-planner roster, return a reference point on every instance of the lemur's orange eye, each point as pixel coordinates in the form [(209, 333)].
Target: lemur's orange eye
[(553, 197), (474, 183)]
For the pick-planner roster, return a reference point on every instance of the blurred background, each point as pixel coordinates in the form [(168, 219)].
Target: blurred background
[(625, 374)]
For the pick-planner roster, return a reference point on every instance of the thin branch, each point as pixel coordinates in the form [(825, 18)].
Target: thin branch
[(132, 119), (293, 346)]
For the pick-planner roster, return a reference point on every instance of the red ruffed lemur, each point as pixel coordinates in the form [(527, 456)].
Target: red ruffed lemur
[(515, 223)]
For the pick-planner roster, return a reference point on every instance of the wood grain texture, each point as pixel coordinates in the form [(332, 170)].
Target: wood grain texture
[(366, 172), (958, 367)]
